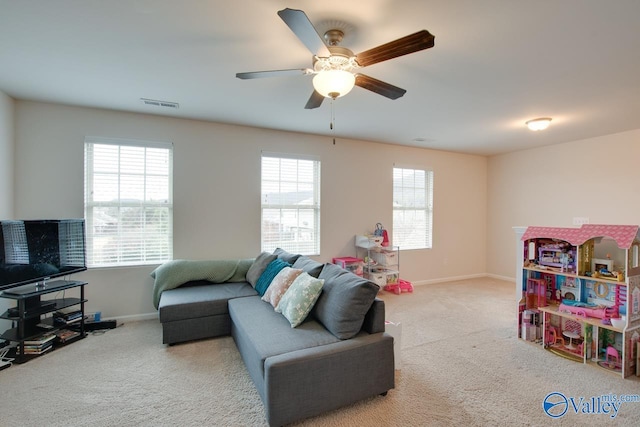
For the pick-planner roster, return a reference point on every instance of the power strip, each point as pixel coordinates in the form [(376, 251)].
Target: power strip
[(103, 324)]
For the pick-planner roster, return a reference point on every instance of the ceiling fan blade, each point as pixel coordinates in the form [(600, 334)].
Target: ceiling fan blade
[(272, 73), (378, 86), (302, 27), (314, 101), (403, 46)]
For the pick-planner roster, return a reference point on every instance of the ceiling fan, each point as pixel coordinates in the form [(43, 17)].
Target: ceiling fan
[(335, 68)]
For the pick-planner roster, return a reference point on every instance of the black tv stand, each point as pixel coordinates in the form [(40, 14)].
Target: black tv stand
[(30, 327), (35, 288)]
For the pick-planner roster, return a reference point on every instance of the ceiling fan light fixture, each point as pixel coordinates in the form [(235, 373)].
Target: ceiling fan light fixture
[(538, 124), (333, 83)]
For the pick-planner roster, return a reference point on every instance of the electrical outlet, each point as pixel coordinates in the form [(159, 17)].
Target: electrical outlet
[(579, 220)]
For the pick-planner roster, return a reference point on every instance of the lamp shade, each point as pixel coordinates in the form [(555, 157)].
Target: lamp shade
[(539, 124), (333, 83)]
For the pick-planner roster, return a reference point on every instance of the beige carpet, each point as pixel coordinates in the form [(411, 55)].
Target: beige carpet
[(461, 365)]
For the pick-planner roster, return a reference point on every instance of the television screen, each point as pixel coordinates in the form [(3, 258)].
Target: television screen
[(35, 250)]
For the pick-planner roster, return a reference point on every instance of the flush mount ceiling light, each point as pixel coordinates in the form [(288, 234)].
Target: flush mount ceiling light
[(539, 124)]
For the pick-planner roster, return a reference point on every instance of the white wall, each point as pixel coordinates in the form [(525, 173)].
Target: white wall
[(6, 174), (598, 178), (217, 192), (6, 156)]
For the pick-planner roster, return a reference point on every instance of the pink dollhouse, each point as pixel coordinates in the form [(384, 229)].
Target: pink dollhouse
[(580, 293)]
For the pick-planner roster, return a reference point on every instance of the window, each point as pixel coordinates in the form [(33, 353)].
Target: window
[(412, 208), (291, 204), (16, 250), (128, 202)]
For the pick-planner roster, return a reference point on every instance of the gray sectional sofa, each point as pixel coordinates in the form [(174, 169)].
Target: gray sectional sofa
[(340, 354)]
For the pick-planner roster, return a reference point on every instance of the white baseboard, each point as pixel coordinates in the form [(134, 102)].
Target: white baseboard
[(135, 317), (447, 279), (505, 278)]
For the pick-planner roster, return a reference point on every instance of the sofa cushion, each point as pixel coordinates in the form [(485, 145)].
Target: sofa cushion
[(258, 267), (264, 333), (200, 301), (297, 302), (268, 274), (286, 256), (308, 265), (280, 284), (344, 301)]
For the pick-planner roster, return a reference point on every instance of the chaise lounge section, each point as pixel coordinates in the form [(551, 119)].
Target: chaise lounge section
[(338, 355)]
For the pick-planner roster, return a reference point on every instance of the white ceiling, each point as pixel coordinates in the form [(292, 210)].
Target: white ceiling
[(495, 64)]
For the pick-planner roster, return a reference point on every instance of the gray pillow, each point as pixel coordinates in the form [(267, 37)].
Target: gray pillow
[(286, 256), (258, 266), (344, 302), (309, 266)]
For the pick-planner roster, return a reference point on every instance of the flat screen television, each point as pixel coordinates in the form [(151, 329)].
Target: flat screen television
[(33, 251)]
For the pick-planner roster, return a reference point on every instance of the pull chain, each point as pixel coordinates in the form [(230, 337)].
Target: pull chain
[(333, 122)]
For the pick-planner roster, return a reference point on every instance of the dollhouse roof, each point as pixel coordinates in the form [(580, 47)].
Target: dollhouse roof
[(622, 234)]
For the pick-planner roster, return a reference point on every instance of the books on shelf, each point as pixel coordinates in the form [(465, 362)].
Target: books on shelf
[(38, 345), (35, 351), (43, 339), (65, 335), (45, 342), (61, 318)]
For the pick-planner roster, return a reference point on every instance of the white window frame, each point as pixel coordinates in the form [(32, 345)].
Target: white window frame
[(412, 208), (284, 209), (151, 247)]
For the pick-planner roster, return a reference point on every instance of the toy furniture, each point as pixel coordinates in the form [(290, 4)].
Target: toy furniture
[(554, 338), (536, 293), (576, 280), (611, 351), (571, 336), (584, 310)]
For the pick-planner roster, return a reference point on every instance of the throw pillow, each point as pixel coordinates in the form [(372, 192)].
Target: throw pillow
[(258, 266), (313, 268), (280, 284), (299, 299), (345, 301), (286, 256), (268, 274)]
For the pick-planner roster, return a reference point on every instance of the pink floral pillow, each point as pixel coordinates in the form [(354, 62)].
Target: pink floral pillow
[(280, 284)]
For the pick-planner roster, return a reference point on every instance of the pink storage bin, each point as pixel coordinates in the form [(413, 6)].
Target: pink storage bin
[(354, 265)]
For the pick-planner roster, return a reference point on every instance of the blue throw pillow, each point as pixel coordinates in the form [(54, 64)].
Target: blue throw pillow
[(268, 274)]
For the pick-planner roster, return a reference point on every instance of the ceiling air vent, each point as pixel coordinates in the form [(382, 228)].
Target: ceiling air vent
[(157, 103)]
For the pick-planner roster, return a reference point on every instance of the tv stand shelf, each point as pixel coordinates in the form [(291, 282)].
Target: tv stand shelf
[(30, 326)]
